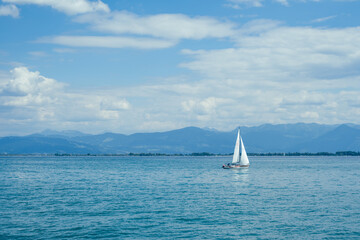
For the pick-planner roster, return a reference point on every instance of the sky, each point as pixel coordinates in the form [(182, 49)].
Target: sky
[(131, 66)]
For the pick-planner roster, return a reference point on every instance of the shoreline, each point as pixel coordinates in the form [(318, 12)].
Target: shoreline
[(204, 154)]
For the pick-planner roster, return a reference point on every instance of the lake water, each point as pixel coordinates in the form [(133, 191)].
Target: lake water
[(179, 197)]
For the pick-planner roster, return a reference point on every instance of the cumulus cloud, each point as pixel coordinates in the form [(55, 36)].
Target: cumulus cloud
[(9, 10), (28, 98), (70, 7), (201, 107), (25, 82), (31, 101), (272, 74), (282, 74)]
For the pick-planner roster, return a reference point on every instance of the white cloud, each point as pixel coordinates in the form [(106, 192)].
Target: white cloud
[(222, 103), (324, 19), (128, 30), (313, 116), (202, 107), (256, 27), (70, 7), (64, 50), (281, 74), (109, 42), (150, 32), (283, 2), (253, 3), (9, 10), (238, 4), (25, 82), (304, 98), (273, 74), (168, 26), (283, 53), (29, 99)]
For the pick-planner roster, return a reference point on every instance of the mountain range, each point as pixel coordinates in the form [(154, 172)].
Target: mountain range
[(281, 138)]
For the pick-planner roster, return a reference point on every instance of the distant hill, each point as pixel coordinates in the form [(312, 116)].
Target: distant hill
[(266, 138), (43, 144), (342, 138), (186, 140), (68, 133)]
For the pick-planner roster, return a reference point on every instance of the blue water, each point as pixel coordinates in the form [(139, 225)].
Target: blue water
[(179, 197)]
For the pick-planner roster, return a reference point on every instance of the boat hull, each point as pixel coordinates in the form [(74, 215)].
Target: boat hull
[(234, 166)]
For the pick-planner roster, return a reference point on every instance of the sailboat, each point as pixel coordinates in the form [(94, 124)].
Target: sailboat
[(238, 161)]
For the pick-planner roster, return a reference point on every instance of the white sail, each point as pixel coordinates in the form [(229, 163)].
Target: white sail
[(237, 161), (244, 158), (237, 149)]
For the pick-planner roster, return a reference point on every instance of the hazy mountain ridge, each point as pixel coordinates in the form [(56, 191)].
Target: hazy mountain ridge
[(42, 144), (266, 138)]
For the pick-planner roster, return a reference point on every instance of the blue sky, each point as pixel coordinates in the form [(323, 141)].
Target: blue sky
[(142, 66)]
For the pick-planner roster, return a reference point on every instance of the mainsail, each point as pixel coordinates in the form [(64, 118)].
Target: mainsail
[(237, 149)]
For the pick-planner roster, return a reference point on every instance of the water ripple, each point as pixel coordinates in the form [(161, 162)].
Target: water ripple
[(178, 197)]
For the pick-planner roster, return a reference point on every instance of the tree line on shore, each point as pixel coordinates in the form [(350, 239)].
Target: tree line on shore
[(340, 153)]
